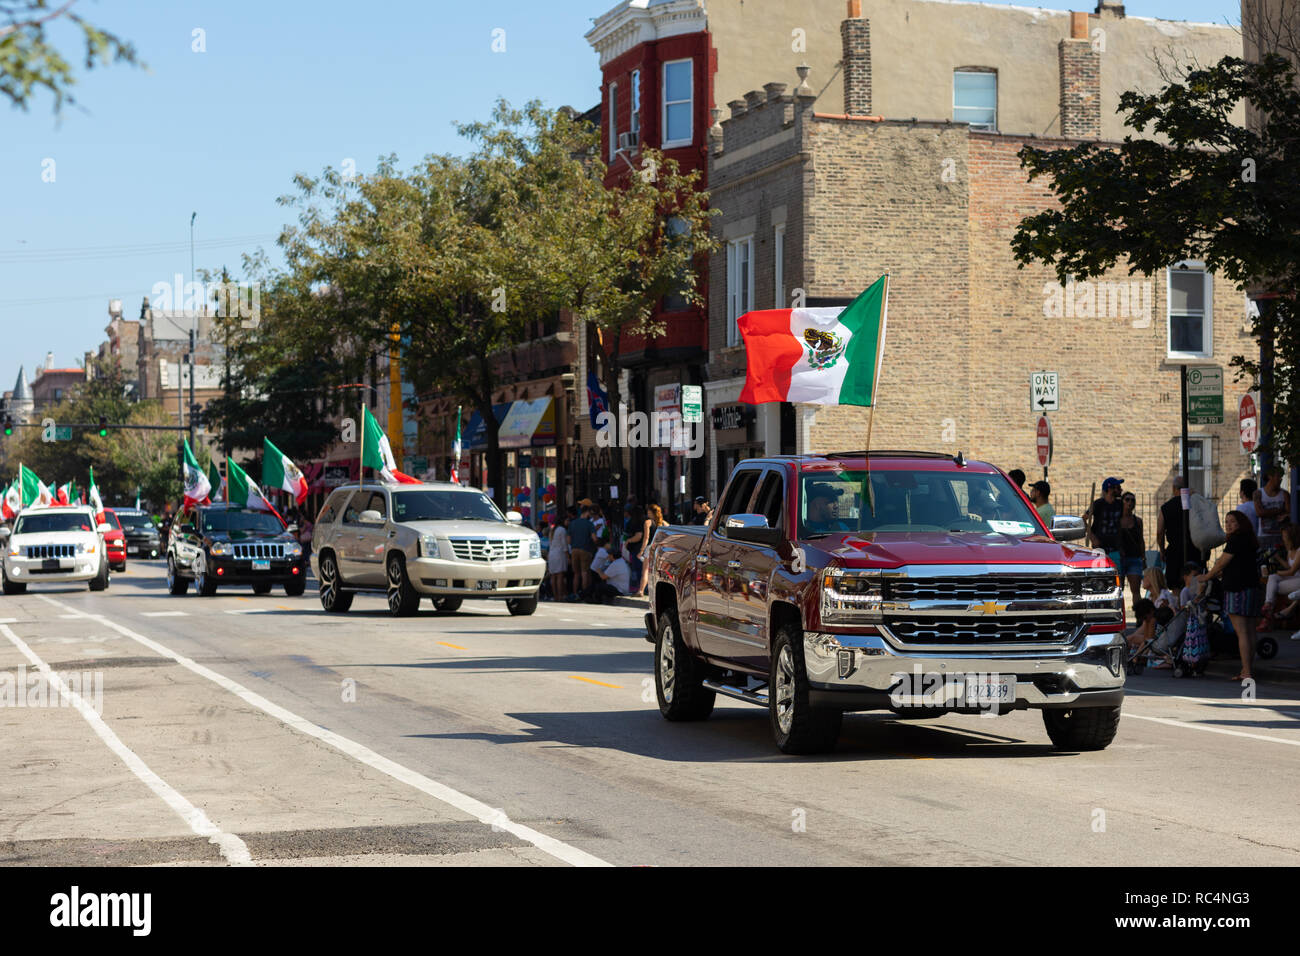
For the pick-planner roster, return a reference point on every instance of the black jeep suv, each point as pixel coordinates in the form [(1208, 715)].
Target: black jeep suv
[(220, 544)]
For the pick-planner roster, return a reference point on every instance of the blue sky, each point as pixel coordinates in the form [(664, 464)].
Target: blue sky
[(284, 86)]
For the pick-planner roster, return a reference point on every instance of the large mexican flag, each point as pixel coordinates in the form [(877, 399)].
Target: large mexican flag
[(376, 453), (197, 487), (33, 490), (821, 356), (279, 472), (12, 502), (243, 491)]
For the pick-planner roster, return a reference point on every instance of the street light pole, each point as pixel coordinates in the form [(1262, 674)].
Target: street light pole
[(194, 329)]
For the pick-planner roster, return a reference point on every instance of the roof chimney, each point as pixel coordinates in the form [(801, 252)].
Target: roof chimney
[(855, 37), (1080, 74), (49, 361)]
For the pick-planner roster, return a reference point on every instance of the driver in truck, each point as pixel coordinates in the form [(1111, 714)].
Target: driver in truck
[(821, 510)]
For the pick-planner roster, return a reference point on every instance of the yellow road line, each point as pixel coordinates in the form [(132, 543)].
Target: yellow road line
[(457, 646), (598, 683)]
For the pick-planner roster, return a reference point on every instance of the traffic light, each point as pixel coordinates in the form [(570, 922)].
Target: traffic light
[(9, 425), (103, 426)]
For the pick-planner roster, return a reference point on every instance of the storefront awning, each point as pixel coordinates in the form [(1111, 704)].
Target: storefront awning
[(475, 435), (529, 423)]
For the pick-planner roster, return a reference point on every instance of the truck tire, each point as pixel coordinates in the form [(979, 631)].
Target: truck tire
[(332, 596), (176, 585), (403, 599), (204, 583), (797, 726), (679, 677), (13, 587), (1084, 728), (100, 581), (295, 586), (522, 606), (263, 588)]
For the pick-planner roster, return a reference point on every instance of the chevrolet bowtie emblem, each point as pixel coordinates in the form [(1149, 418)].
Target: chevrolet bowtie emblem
[(988, 607)]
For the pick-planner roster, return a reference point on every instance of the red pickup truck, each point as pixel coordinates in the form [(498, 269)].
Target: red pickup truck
[(914, 582)]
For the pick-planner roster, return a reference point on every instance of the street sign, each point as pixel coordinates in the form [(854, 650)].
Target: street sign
[(1044, 441), (1044, 392), (692, 404), (1248, 422), (63, 433), (1205, 395)]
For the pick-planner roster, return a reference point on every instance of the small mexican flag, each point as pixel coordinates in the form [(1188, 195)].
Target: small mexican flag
[(820, 356), (197, 487), (12, 502), (33, 490), (376, 453), (279, 472), (243, 491), (67, 493), (214, 479), (95, 501), (455, 451)]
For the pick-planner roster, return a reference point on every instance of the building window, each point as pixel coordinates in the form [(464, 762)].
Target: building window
[(778, 265), (1190, 320), (675, 301), (635, 118), (975, 98), (740, 284), (677, 98), (613, 121)]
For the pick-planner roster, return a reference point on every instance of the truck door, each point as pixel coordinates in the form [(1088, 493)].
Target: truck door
[(750, 572), (713, 565)]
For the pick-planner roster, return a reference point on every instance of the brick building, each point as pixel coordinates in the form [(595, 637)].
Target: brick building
[(815, 205)]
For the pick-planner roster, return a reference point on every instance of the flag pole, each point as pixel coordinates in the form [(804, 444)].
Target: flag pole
[(875, 383), (361, 465)]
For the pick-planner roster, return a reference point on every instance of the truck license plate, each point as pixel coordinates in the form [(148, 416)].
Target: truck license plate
[(990, 689), (262, 565), (487, 585)]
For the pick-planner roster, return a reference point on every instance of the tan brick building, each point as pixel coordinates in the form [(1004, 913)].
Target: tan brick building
[(815, 205)]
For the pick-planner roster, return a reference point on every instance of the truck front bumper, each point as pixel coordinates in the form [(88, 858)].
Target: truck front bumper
[(54, 571), (865, 672)]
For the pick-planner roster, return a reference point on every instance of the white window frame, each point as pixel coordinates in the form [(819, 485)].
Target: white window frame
[(1207, 318), (613, 121), (990, 127), (739, 300), (635, 119), (778, 265), (663, 89)]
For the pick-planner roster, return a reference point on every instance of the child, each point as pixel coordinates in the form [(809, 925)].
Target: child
[(1153, 580), (1145, 612)]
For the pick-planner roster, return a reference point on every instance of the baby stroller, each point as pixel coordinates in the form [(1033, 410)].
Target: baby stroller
[(1181, 636)]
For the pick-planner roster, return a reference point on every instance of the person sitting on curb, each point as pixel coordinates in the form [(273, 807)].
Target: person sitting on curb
[(615, 578)]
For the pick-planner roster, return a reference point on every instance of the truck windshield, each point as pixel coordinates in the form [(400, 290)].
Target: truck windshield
[(444, 506), (135, 521), (47, 524), (912, 502), (236, 523)]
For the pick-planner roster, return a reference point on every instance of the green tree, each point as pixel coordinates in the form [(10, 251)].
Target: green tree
[(29, 61), (128, 459), (1211, 190)]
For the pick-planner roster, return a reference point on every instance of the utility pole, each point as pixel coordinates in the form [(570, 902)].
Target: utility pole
[(1187, 486)]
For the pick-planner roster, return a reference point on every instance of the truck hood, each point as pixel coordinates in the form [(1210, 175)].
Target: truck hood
[(894, 549)]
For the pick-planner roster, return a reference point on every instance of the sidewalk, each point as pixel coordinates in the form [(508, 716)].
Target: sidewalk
[(1283, 668)]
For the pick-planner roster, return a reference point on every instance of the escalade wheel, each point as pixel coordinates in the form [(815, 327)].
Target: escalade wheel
[(522, 605), (679, 678), (447, 605), (176, 584), (403, 599), (797, 726), (1084, 728), (332, 596)]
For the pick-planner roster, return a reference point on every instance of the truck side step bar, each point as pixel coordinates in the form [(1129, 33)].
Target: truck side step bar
[(756, 696)]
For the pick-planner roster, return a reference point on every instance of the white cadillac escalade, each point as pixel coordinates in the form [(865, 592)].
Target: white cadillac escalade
[(54, 546)]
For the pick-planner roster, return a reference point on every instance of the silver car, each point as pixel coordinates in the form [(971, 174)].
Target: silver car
[(437, 540)]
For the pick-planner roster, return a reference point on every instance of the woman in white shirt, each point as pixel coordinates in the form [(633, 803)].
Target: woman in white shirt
[(557, 561)]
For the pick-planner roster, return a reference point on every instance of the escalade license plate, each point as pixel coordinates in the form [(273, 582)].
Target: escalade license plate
[(263, 565), (990, 689), (487, 585)]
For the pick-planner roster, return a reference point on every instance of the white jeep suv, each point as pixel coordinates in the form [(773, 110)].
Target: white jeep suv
[(54, 546)]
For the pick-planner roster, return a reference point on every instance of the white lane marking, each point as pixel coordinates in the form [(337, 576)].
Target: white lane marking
[(463, 802), (164, 614), (1214, 700), (248, 610), (68, 617), (1212, 730), (232, 847), (8, 620)]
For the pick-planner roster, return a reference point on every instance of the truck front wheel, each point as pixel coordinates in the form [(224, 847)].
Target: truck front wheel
[(799, 727), (679, 678), (1085, 728)]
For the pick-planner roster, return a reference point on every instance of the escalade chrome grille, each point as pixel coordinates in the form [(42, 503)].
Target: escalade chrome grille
[(485, 549), (43, 551), (245, 552), (954, 630), (1003, 590)]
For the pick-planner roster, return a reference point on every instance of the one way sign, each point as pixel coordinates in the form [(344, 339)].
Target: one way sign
[(1044, 392)]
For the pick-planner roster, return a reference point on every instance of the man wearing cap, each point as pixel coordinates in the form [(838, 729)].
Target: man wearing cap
[(821, 510), (1105, 514)]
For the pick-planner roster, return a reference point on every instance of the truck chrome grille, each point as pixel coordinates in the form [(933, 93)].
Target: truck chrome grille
[(249, 552), (44, 551), (1000, 589), (953, 630), (485, 549)]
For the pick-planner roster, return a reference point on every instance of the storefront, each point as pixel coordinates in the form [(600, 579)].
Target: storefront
[(528, 439)]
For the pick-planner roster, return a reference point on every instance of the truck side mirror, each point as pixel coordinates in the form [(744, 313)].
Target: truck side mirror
[(1068, 528), (752, 528)]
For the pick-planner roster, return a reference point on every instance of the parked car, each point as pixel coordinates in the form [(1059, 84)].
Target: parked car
[(222, 545), (115, 541), (437, 540), (54, 545), (142, 537), (938, 590)]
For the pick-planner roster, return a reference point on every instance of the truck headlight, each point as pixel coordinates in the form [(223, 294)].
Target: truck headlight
[(535, 548), (851, 597), (1100, 583), (219, 548), (293, 550), (428, 546), (85, 549)]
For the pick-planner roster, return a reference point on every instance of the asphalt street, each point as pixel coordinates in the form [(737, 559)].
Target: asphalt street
[(261, 731)]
